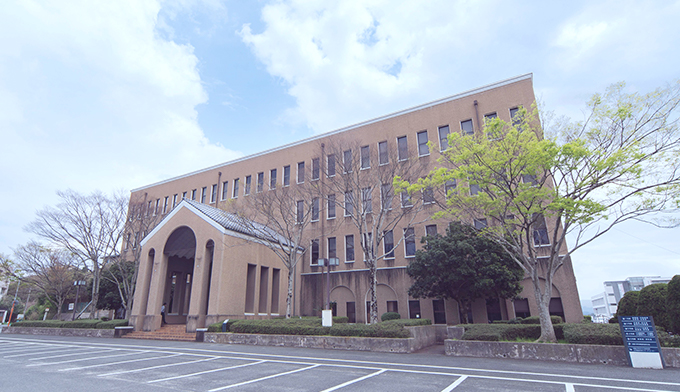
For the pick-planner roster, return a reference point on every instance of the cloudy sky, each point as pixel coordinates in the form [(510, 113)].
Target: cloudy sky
[(116, 95)]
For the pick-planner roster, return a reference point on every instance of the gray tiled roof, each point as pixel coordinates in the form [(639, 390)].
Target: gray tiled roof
[(234, 223)]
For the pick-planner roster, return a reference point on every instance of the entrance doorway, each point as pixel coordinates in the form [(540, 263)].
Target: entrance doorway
[(181, 250)]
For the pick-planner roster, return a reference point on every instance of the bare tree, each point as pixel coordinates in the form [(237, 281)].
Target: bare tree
[(51, 270), (88, 226), (279, 216), (361, 182), (142, 218)]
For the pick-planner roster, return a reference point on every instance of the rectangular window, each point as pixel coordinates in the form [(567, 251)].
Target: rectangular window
[(316, 168), (174, 200), (158, 206), (193, 194), (349, 247), (249, 181), (423, 148), (213, 193), (365, 157), (286, 175), (466, 127), (331, 165), (409, 242), (204, 194), (300, 211), (414, 309), (300, 172), (184, 195), (431, 230), (149, 208), (234, 192), (480, 224), (449, 188), (332, 248), (388, 242), (392, 306), (443, 137), (331, 206), (366, 200), (386, 196), (402, 147), (428, 195), (540, 230), (165, 204), (514, 115), (474, 189), (260, 182), (406, 200), (347, 161), (383, 157), (315, 209), (314, 259), (225, 190), (529, 179), (349, 203), (490, 116), (272, 179)]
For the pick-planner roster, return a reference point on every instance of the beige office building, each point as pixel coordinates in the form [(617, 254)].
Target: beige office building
[(206, 266)]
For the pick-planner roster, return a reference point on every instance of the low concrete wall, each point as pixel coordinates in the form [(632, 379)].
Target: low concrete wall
[(575, 353), (94, 333), (325, 342)]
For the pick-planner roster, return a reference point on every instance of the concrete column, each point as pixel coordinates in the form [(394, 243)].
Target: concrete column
[(199, 288), (139, 305), (152, 316)]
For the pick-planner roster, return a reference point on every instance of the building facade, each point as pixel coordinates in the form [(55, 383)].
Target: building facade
[(606, 303), (207, 269)]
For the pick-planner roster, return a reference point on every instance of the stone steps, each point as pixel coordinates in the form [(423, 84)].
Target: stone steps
[(166, 332)]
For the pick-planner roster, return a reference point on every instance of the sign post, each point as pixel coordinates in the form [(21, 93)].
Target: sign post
[(641, 341)]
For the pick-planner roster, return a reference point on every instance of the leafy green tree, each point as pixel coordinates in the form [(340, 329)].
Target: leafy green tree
[(463, 266), (628, 304), (673, 304), (622, 162), (652, 302)]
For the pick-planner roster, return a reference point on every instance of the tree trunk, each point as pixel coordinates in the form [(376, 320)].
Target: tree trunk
[(289, 297), (373, 278), (462, 312), (543, 301)]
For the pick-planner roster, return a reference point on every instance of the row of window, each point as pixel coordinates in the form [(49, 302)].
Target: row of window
[(409, 241)]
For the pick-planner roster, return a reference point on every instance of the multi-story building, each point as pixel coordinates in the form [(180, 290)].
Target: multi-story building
[(206, 266), (605, 304)]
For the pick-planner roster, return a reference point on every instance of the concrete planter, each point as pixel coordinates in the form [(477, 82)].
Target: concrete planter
[(574, 353), (93, 333)]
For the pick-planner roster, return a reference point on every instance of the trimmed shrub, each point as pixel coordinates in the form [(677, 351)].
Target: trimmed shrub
[(390, 316), (409, 322), (82, 324), (587, 319), (112, 324), (39, 324), (652, 302), (537, 320), (607, 334), (667, 340), (628, 304), (613, 320), (510, 332), (216, 327), (105, 319), (340, 320), (673, 304)]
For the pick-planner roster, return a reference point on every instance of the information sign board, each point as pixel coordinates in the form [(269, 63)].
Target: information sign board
[(641, 341)]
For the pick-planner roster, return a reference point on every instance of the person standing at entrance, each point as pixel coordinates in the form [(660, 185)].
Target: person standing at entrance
[(163, 322)]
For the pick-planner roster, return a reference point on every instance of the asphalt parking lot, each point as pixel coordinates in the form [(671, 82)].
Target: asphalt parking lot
[(54, 363)]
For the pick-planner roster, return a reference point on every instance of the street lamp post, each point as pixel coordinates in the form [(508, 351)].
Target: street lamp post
[(77, 283)]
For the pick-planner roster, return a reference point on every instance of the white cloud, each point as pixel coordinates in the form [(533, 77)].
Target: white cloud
[(93, 97)]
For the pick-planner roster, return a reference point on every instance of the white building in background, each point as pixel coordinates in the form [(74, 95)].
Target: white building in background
[(605, 304)]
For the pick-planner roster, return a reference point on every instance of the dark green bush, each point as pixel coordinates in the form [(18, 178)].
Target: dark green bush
[(112, 324), (340, 320), (536, 320), (380, 330), (652, 302), (667, 340), (409, 322), (105, 319), (509, 332), (39, 323), (673, 304), (216, 327), (607, 334), (82, 324), (628, 304), (587, 319), (613, 320), (390, 316)]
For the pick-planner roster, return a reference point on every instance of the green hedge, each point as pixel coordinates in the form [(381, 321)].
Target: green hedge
[(112, 324), (607, 334), (86, 324), (536, 320), (39, 323), (508, 332), (390, 316)]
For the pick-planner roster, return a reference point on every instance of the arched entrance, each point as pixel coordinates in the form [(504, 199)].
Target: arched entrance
[(180, 249)]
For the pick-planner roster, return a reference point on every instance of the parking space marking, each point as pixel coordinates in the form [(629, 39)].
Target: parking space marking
[(36, 352), (206, 372), (263, 378), (350, 382), (454, 384), (123, 362), (79, 360), (156, 367), (63, 355)]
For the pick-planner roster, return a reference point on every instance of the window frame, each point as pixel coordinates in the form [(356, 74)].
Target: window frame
[(347, 161), (472, 127), (349, 201), (409, 240), (384, 205), (330, 207), (422, 145), (213, 193), (234, 189), (367, 200), (300, 173), (331, 160), (388, 253), (272, 178), (365, 160), (204, 194), (334, 248), (347, 259), (401, 158), (260, 183), (445, 139), (248, 184), (384, 153), (316, 211), (316, 169), (225, 190), (286, 175), (313, 242)]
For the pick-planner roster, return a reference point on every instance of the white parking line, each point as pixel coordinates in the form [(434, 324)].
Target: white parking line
[(350, 382), (122, 362), (61, 355), (156, 367), (206, 372), (38, 351), (454, 384), (569, 387), (263, 378), (79, 360)]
